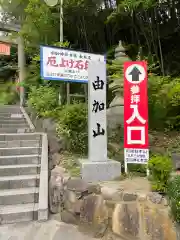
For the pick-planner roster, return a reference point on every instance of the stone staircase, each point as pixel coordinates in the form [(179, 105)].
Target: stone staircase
[(13, 119), (23, 168)]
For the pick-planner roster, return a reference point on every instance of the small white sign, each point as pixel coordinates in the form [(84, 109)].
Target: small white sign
[(97, 131), (16, 116), (138, 156), (136, 70), (66, 64)]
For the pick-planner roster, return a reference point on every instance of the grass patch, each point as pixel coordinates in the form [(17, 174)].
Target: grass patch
[(70, 162)]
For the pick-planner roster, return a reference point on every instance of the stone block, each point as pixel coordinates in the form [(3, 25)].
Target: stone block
[(126, 221), (68, 217), (142, 197), (129, 197), (77, 185), (109, 193), (176, 160), (81, 187), (49, 125), (70, 196), (54, 144), (55, 158), (100, 171), (157, 224), (75, 207), (78, 206), (94, 214), (94, 188), (57, 184), (155, 198)]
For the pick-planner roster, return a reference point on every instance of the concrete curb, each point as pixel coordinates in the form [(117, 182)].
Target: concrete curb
[(43, 187), (32, 127)]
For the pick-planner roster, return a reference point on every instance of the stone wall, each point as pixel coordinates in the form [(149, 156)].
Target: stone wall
[(142, 217), (99, 209)]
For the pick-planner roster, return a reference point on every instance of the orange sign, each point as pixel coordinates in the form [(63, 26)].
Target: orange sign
[(4, 49)]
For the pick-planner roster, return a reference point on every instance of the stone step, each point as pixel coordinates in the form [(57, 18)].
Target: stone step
[(19, 196), (10, 111), (23, 169), (12, 120), (20, 159), (14, 130), (14, 125), (19, 143), (10, 108), (16, 115), (18, 213), (21, 181), (18, 136), (19, 151)]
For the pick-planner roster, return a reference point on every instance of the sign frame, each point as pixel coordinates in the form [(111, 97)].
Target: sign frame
[(64, 79), (136, 145)]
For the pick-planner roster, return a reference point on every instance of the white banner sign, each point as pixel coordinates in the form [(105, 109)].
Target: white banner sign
[(140, 156), (65, 64), (97, 132)]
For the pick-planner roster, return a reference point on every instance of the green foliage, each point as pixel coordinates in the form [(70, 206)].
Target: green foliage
[(173, 193), (72, 124), (164, 103), (53, 113), (33, 73), (8, 94), (42, 99), (160, 169), (115, 78), (173, 105), (37, 25), (148, 24), (8, 98), (110, 53), (65, 44), (148, 29), (157, 102)]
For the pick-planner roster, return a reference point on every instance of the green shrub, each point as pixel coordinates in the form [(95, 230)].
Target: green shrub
[(160, 169), (164, 102), (42, 99), (157, 101), (72, 124), (173, 193), (8, 94), (8, 98), (54, 113), (173, 107)]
